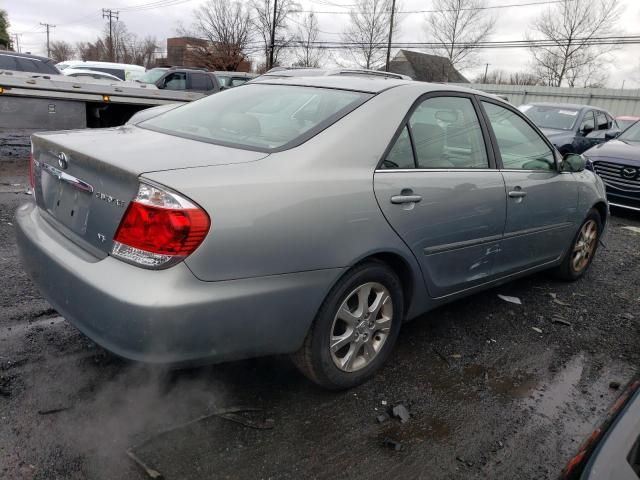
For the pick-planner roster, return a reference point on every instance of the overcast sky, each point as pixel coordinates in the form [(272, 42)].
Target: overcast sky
[(81, 20)]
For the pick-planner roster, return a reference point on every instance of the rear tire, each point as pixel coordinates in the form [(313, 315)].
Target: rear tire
[(355, 329), (583, 248)]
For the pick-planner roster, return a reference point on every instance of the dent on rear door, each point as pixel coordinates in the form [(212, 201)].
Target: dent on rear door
[(455, 230)]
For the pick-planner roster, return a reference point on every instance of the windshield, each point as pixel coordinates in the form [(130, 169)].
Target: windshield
[(259, 117), (557, 118), (631, 134), (152, 76)]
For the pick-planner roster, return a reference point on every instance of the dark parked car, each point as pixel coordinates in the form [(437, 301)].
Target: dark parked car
[(182, 79), (22, 62), (618, 163), (572, 128)]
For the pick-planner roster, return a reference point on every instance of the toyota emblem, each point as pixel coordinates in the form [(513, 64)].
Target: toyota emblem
[(63, 162), (629, 172)]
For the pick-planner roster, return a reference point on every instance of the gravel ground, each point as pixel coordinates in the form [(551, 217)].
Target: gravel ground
[(489, 396)]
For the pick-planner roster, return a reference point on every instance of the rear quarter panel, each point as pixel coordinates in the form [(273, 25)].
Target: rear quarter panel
[(308, 208)]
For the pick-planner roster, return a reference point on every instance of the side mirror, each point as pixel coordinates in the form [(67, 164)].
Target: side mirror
[(574, 162), (587, 129), (611, 134)]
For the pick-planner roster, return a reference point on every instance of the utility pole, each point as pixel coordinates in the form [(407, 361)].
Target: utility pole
[(393, 12), (48, 26), (273, 34), (110, 14), (16, 36), (486, 69)]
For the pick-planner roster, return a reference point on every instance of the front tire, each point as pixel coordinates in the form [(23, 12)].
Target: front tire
[(355, 329), (583, 248)]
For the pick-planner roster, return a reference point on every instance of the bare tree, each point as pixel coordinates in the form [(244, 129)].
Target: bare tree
[(500, 77), (263, 20), (569, 28), (458, 27), (61, 51), (307, 53), (5, 39), (227, 27), (368, 32)]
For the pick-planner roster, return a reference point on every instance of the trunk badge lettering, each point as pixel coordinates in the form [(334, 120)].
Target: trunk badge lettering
[(102, 237), (110, 199)]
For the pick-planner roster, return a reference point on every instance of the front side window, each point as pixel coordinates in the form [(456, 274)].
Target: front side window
[(446, 134), (521, 148), (601, 121), (258, 116), (587, 125), (176, 81)]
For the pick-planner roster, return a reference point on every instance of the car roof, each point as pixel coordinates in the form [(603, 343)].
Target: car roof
[(565, 105), (86, 71), (363, 83), (627, 117), (25, 55), (79, 63)]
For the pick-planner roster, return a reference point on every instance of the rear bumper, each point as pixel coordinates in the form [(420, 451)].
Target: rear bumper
[(168, 316)]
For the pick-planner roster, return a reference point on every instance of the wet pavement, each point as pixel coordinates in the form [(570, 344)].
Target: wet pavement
[(489, 396)]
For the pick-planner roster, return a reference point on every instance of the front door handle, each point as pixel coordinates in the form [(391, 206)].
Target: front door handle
[(399, 199), (517, 194)]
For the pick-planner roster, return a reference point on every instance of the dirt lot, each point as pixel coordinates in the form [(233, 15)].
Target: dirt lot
[(489, 396)]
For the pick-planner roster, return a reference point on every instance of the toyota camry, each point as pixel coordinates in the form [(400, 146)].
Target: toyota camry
[(305, 216)]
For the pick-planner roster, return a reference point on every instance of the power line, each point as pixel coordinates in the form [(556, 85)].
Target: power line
[(488, 7)]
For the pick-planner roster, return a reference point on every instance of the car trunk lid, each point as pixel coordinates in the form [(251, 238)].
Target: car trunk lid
[(84, 180)]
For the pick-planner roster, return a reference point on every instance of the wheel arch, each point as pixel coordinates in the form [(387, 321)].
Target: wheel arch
[(601, 207)]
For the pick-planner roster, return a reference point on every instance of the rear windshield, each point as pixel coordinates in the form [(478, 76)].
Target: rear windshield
[(259, 116), (551, 117)]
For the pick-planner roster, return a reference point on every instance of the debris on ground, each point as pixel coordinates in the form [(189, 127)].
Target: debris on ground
[(442, 357), (233, 414), (560, 302), (391, 443), (456, 356), (627, 316), (536, 329), (50, 411), (383, 402), (614, 385), (509, 299), (560, 320), (632, 229), (383, 417), (401, 412)]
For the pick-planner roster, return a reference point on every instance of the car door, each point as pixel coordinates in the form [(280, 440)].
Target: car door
[(541, 200), (439, 189), (200, 82), (175, 81)]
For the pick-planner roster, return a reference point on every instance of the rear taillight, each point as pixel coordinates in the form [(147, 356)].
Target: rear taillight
[(159, 228)]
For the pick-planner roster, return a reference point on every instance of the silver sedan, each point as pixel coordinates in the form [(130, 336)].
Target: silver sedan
[(307, 216)]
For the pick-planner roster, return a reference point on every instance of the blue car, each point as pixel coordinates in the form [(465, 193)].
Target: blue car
[(572, 128), (618, 164)]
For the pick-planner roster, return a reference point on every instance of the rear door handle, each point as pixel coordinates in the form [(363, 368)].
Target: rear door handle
[(517, 194), (399, 199)]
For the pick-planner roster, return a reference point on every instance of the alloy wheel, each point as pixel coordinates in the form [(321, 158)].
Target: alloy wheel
[(361, 327), (585, 246)]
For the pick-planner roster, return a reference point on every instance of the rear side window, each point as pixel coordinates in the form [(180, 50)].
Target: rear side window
[(401, 154), (259, 117), (28, 65), (521, 148), (8, 63), (201, 81)]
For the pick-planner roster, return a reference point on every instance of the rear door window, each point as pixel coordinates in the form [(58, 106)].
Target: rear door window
[(521, 147), (260, 116), (447, 134), (28, 65), (201, 82)]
